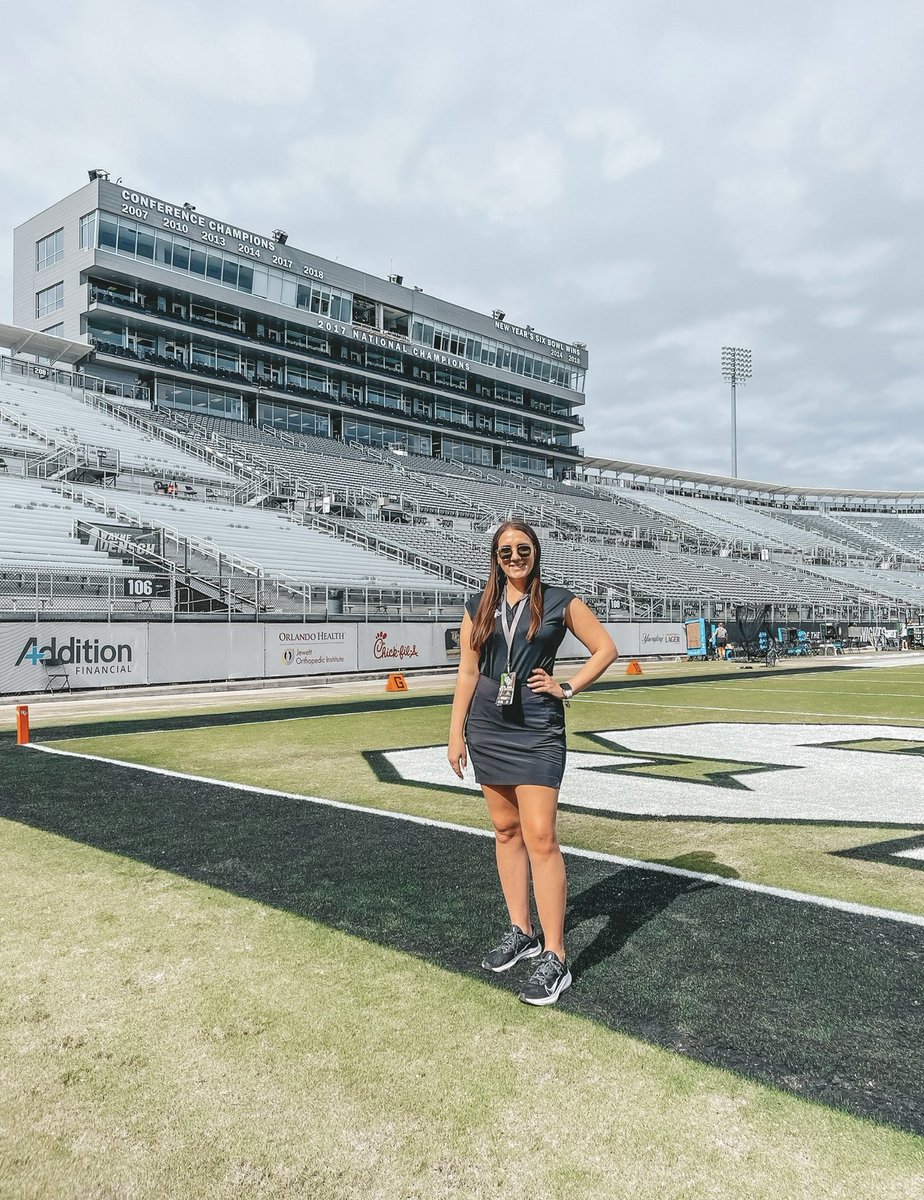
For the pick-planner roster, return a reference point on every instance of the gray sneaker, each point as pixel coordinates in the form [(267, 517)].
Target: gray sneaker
[(550, 978), (513, 946)]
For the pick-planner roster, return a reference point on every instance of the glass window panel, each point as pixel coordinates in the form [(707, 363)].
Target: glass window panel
[(197, 259), (213, 267), (163, 251), (181, 256), (49, 249), (145, 244), (229, 273), (49, 300), (260, 281), (88, 231), (245, 278), (128, 238)]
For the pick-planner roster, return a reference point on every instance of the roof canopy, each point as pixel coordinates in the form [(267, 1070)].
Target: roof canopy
[(56, 350), (727, 483)]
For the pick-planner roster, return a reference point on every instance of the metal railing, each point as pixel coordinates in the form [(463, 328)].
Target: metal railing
[(47, 594), (56, 594)]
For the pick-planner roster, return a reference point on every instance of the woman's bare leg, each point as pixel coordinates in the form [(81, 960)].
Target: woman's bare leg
[(512, 859), (538, 807)]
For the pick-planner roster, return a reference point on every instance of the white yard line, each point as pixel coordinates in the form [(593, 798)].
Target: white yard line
[(863, 910), (758, 687), (834, 717)]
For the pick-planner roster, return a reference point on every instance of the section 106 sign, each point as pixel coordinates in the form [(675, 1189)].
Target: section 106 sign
[(146, 587)]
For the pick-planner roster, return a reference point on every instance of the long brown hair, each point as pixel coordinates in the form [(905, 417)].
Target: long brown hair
[(495, 590)]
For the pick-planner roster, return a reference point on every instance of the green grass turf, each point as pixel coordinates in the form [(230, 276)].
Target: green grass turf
[(163, 1037), (325, 757)]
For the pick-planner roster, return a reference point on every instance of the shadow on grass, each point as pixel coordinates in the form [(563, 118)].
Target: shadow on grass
[(620, 904), (812, 1000)]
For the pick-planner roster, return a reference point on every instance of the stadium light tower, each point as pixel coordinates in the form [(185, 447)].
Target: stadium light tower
[(736, 367)]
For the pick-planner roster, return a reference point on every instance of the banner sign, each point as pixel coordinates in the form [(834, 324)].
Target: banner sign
[(92, 655), (663, 638), (393, 647), (100, 655), (320, 649)]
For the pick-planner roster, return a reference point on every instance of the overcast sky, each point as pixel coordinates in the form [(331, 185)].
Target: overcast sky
[(654, 179)]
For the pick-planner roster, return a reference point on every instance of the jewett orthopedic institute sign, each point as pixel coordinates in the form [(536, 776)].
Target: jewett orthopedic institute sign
[(310, 650)]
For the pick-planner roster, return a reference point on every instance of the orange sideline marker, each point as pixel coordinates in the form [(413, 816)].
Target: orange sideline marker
[(22, 724), (634, 667), (396, 683)]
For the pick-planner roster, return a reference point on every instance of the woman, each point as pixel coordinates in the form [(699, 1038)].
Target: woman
[(510, 711)]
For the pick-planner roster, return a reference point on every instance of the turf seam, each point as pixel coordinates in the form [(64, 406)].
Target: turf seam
[(573, 851)]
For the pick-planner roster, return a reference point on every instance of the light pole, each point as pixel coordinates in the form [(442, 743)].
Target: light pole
[(736, 367)]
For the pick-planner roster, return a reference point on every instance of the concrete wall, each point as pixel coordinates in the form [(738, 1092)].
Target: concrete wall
[(27, 281)]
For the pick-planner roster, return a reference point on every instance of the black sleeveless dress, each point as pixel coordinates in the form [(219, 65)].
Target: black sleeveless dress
[(522, 742)]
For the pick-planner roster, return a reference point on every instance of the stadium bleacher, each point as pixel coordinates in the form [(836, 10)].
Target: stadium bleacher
[(62, 419), (43, 560), (373, 517), (275, 542)]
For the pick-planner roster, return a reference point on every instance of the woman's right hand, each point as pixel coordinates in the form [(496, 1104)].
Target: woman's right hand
[(457, 755)]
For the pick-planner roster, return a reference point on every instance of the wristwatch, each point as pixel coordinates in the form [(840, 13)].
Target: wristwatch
[(567, 692)]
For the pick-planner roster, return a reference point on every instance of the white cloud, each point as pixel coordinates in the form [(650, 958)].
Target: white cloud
[(607, 282), (658, 182), (845, 316), (506, 181), (622, 144)]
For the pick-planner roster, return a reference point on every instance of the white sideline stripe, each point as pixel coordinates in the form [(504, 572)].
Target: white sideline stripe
[(309, 716), (863, 910)]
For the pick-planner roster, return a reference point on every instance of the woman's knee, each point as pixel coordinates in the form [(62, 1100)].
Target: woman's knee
[(541, 842), (507, 831)]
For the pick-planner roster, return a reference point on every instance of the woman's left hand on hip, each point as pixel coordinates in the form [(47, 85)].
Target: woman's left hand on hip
[(542, 681)]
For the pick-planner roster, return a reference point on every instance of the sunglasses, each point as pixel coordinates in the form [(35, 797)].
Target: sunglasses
[(524, 550)]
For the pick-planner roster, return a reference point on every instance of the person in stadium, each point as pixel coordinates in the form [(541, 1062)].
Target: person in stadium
[(721, 640), (508, 713)]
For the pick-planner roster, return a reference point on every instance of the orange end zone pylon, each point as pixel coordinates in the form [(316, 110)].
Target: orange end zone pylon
[(396, 683), (22, 724), (634, 667)]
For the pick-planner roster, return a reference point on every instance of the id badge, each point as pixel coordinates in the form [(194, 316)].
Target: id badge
[(508, 682)]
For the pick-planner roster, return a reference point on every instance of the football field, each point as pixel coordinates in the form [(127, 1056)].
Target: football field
[(241, 935)]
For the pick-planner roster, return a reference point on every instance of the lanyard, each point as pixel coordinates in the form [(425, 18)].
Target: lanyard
[(510, 630)]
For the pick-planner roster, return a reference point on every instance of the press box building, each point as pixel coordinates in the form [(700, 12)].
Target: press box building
[(199, 314)]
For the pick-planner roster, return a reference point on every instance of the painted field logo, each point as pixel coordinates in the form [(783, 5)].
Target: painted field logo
[(849, 774), (382, 650), (89, 655)]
